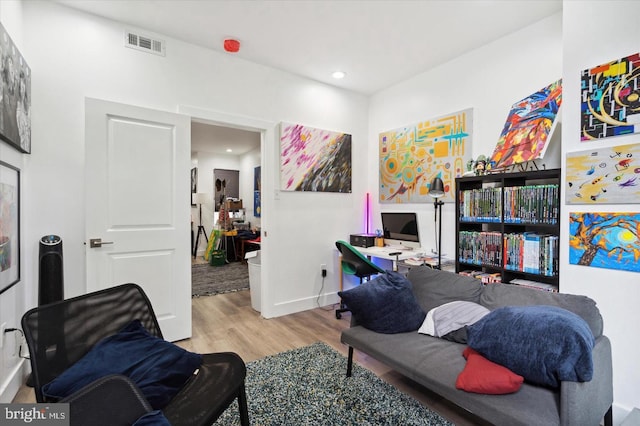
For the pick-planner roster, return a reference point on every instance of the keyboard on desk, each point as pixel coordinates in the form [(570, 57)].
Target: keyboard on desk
[(396, 248)]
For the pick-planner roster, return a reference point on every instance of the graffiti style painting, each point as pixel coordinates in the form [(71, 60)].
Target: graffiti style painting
[(605, 240), (530, 123), (610, 103), (604, 176), (411, 156), (314, 160)]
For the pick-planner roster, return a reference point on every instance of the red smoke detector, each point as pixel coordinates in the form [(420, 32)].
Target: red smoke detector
[(231, 45)]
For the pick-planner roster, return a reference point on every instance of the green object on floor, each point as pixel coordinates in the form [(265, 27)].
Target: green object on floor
[(217, 258)]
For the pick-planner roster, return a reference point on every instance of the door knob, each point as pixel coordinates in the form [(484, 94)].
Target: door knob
[(97, 242)]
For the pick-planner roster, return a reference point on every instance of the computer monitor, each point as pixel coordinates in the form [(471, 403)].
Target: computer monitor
[(400, 229)]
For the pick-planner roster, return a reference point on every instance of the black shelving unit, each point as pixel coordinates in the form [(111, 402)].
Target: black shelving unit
[(508, 224)]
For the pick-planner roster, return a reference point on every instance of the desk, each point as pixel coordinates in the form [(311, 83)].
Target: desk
[(383, 253)]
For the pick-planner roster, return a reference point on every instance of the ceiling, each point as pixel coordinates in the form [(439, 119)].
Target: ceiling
[(378, 43)]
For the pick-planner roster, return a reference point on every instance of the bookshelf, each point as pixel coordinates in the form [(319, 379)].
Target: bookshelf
[(508, 228)]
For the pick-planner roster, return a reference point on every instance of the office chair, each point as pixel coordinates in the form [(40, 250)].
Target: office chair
[(61, 333), (354, 263)]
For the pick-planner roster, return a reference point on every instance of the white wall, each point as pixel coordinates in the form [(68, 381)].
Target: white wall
[(595, 34), (489, 80), (12, 368)]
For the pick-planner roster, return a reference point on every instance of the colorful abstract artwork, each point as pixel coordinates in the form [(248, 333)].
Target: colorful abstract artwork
[(530, 123), (611, 99), (605, 240), (314, 160), (411, 156), (604, 176), (257, 188)]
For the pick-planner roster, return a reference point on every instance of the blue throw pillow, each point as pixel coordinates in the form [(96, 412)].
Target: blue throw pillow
[(544, 344), (159, 368), (385, 304)]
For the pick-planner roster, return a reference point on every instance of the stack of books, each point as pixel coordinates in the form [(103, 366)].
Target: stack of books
[(485, 277), (534, 285)]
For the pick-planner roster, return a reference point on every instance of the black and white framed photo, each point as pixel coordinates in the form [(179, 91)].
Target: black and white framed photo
[(194, 184), (9, 226), (15, 96)]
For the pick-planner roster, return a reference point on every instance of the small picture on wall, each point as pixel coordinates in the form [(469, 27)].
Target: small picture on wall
[(9, 226), (611, 99), (226, 184), (605, 240), (604, 175), (15, 96), (194, 183)]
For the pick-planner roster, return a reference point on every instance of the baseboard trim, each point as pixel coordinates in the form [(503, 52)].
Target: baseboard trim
[(17, 376), (304, 304)]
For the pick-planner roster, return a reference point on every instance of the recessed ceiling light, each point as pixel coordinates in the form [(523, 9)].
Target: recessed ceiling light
[(229, 150), (338, 74)]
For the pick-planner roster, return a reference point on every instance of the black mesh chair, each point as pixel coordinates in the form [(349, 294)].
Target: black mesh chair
[(354, 263), (61, 333)]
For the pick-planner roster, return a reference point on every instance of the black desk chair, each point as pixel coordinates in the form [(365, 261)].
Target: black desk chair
[(354, 263), (60, 333)]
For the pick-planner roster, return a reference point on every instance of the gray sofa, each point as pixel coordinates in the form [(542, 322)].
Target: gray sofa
[(435, 363)]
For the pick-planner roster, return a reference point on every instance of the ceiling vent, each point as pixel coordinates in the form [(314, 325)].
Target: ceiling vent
[(144, 43)]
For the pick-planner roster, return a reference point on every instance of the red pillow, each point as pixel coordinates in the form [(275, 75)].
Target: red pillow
[(483, 376)]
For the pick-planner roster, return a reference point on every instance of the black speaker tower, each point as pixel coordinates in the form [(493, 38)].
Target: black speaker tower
[(51, 279)]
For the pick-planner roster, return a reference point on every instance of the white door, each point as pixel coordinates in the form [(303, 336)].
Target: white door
[(137, 168)]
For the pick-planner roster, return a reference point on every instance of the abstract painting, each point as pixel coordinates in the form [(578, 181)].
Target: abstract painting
[(314, 160), (15, 95), (9, 226), (528, 128), (604, 176), (605, 240), (257, 185), (411, 156), (610, 104)]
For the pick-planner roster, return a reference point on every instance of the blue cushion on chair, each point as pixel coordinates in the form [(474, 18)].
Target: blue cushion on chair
[(159, 368), (385, 304), (153, 418)]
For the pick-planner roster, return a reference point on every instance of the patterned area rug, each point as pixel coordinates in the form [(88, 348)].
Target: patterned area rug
[(308, 386), (209, 280)]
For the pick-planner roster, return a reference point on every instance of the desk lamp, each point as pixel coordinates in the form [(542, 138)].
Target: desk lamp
[(436, 191)]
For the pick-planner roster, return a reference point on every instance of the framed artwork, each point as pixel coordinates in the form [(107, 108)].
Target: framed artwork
[(605, 240), (530, 123), (226, 184), (9, 226), (610, 104), (15, 99), (411, 156), (314, 160), (604, 176), (257, 179), (194, 183)]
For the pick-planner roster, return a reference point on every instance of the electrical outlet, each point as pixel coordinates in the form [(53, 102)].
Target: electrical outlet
[(323, 269), (3, 327)]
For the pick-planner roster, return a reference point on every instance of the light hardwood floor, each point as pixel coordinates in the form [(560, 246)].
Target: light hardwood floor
[(227, 322)]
